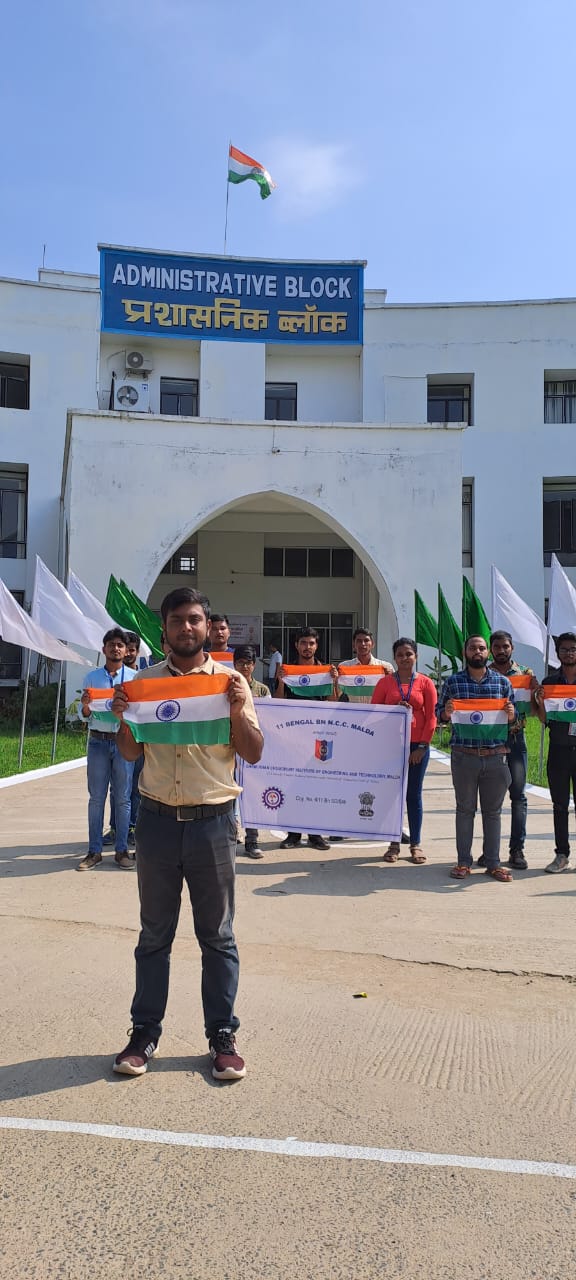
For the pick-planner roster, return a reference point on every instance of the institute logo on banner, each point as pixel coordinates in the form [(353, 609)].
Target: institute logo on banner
[(167, 711), (366, 799), (323, 749), (273, 798)]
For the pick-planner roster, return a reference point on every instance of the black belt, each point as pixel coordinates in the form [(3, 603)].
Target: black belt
[(102, 733), (185, 812)]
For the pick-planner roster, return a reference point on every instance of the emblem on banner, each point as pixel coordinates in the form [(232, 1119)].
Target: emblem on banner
[(273, 798), (323, 749), (366, 801)]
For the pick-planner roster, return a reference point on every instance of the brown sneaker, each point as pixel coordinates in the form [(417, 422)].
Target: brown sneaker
[(133, 1061), (226, 1062), (89, 862), (126, 861)]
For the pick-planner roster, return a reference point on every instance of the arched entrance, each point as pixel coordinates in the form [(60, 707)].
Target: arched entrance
[(274, 563)]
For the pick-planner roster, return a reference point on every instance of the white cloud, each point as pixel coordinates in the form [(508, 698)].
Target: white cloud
[(311, 177)]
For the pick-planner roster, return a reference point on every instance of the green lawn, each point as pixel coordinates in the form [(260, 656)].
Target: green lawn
[(38, 749), (441, 739)]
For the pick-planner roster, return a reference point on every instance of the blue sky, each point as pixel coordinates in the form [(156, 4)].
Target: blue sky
[(434, 139)]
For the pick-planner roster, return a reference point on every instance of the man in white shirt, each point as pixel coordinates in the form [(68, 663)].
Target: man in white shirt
[(274, 661)]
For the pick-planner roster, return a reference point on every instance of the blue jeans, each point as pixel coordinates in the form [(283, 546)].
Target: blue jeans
[(134, 795), (518, 764), (202, 854), (105, 767), (414, 796)]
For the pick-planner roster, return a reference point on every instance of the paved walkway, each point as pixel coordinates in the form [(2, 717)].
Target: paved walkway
[(465, 1045)]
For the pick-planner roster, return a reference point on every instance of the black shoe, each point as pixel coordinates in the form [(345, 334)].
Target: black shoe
[(133, 1061), (318, 842), (517, 860), (482, 861), (291, 842), (252, 851), (405, 839)]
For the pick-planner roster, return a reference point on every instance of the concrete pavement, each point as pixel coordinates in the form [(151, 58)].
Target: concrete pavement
[(464, 1045)]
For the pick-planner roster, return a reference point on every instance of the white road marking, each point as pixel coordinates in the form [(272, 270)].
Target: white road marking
[(37, 775), (292, 1147)]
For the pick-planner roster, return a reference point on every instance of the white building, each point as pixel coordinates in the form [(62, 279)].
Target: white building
[(293, 481)]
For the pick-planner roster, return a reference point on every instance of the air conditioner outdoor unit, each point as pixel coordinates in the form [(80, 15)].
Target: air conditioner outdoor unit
[(132, 397), (138, 361)]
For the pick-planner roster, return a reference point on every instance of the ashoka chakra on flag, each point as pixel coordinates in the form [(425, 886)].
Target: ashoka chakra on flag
[(168, 711)]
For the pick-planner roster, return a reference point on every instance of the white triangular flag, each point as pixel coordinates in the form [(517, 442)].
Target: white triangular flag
[(55, 610), (511, 613), (16, 627), (91, 607), (562, 606)]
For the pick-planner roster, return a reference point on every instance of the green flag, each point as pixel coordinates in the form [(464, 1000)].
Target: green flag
[(123, 606), (149, 625), (450, 639), (425, 626), (474, 620)]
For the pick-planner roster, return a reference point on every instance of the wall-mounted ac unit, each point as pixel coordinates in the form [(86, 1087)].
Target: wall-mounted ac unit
[(132, 397), (139, 361)]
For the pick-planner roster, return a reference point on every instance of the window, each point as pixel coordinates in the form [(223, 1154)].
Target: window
[(179, 397), (13, 502), (335, 630), (11, 654), (308, 562), (280, 403), (467, 496), (559, 520), (560, 401), (449, 402), (14, 386), (185, 561)]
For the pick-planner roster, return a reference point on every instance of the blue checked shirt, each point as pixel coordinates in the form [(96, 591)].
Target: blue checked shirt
[(100, 678), (462, 685)]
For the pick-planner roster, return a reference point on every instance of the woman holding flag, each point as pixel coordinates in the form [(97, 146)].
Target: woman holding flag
[(408, 688)]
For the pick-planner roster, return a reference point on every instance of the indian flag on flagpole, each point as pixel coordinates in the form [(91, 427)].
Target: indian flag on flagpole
[(560, 702), (100, 704), (480, 719), (358, 681), (191, 710), (522, 695), (312, 681), (241, 167)]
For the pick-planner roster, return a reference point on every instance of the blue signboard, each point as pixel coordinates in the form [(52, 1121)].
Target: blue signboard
[(232, 299)]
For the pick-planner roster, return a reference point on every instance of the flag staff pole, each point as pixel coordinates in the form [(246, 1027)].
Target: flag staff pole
[(542, 725), (227, 198), (56, 714), (439, 685), (24, 705)]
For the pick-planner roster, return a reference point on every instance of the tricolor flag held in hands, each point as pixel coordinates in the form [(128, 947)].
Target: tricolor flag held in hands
[(180, 709), (560, 702), (100, 706), (225, 659), (241, 167), (312, 681), (480, 719), (522, 695), (359, 682)]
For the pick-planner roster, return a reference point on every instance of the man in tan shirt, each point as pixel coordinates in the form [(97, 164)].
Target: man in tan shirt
[(186, 831)]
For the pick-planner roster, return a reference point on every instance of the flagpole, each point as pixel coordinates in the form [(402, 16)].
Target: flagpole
[(542, 725), (439, 647), (24, 705), (56, 714), (227, 198)]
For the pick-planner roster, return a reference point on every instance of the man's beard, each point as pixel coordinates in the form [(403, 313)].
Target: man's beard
[(477, 663), (188, 649)]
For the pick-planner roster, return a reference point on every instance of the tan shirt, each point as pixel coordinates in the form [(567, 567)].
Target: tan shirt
[(190, 775)]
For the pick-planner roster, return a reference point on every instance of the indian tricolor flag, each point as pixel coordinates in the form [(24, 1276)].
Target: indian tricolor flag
[(180, 709), (480, 719), (359, 682), (226, 659), (560, 702), (522, 695), (309, 681), (241, 167), (100, 706)]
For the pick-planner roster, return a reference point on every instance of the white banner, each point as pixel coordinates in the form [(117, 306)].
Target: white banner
[(328, 769)]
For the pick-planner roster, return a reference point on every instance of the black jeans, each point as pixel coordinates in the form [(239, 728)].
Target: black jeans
[(518, 764), (202, 853), (561, 769)]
